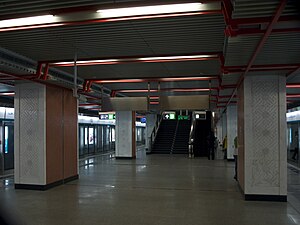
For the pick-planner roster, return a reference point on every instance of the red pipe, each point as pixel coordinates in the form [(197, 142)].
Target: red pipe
[(266, 67), (39, 70), (46, 70), (293, 96)]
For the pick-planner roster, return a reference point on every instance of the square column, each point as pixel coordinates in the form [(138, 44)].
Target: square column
[(231, 116), (125, 135), (262, 160), (45, 136)]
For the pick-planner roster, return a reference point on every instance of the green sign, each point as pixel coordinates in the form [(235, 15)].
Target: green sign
[(111, 116), (172, 116), (180, 117), (169, 116)]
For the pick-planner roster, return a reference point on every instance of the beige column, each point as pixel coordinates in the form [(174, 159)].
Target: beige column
[(262, 160), (45, 136)]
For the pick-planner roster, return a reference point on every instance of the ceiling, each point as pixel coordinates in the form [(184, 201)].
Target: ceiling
[(233, 30)]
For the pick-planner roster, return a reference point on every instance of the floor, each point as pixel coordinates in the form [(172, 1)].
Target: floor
[(156, 190)]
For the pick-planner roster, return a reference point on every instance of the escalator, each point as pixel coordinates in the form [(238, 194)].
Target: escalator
[(172, 137), (201, 131)]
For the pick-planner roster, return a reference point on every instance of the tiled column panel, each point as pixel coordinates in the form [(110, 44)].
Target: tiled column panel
[(29, 135)]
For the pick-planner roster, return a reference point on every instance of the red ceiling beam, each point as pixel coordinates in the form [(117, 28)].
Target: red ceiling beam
[(233, 33), (227, 9), (232, 25), (254, 68), (260, 20), (293, 95), (260, 45), (293, 85)]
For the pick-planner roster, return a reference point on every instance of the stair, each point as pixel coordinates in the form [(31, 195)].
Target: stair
[(181, 145), (165, 136)]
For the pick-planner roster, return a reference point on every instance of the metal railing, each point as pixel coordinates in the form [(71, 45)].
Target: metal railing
[(191, 139), (174, 138), (154, 133)]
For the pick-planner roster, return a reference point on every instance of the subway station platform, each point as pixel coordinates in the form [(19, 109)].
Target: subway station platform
[(153, 189)]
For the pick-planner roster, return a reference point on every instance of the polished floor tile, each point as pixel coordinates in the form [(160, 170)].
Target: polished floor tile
[(154, 190)]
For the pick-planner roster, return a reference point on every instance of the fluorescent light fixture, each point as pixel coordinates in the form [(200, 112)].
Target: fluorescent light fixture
[(87, 62), (150, 10), (121, 81), (7, 93), (176, 57), (137, 60), (26, 21)]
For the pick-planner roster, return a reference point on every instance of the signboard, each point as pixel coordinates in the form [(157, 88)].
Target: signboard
[(143, 120), (186, 117), (200, 115), (169, 115), (192, 102), (107, 116), (125, 104)]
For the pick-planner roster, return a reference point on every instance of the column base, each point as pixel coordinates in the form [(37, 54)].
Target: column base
[(270, 198), (47, 186)]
